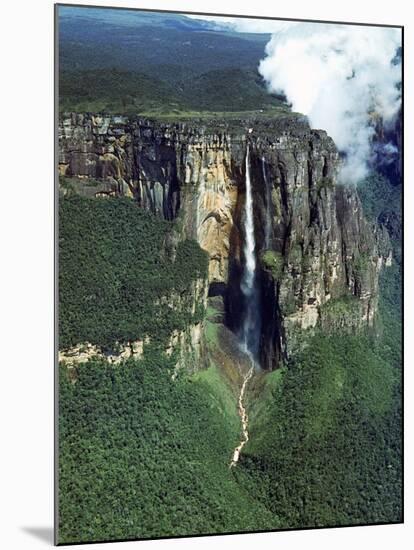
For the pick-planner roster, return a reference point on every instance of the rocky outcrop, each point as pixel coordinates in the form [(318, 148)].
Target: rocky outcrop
[(82, 353), (186, 346), (313, 243)]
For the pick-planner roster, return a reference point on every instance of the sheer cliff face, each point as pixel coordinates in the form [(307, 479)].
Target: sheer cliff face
[(174, 171), (323, 258)]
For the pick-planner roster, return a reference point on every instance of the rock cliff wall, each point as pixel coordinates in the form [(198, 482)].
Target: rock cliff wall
[(320, 249)]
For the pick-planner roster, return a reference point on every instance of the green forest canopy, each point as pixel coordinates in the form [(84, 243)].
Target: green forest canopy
[(144, 456), (116, 264)]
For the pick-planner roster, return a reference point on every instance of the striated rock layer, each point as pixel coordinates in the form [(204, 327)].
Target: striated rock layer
[(320, 259)]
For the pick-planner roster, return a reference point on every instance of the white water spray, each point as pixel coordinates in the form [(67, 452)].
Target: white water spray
[(251, 321), (249, 245)]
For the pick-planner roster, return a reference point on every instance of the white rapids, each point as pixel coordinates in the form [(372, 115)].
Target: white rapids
[(244, 418)]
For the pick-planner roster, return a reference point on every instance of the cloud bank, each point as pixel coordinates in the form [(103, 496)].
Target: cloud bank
[(342, 77)]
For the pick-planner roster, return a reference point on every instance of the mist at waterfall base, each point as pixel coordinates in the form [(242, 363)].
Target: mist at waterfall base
[(251, 325), (344, 79)]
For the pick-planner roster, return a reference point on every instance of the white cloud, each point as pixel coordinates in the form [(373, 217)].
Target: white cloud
[(337, 75)]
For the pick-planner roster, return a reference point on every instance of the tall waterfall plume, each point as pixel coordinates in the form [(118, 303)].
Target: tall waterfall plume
[(250, 331), (251, 321)]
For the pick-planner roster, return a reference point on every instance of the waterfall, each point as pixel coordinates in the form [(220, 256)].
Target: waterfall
[(250, 332), (268, 223), (251, 323)]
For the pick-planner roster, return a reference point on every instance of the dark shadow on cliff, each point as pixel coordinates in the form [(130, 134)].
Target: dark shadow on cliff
[(234, 300)]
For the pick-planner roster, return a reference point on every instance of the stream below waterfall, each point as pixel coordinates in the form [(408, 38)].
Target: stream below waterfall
[(243, 416)]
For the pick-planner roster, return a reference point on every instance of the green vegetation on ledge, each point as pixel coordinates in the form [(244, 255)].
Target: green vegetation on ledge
[(338, 313), (273, 262)]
